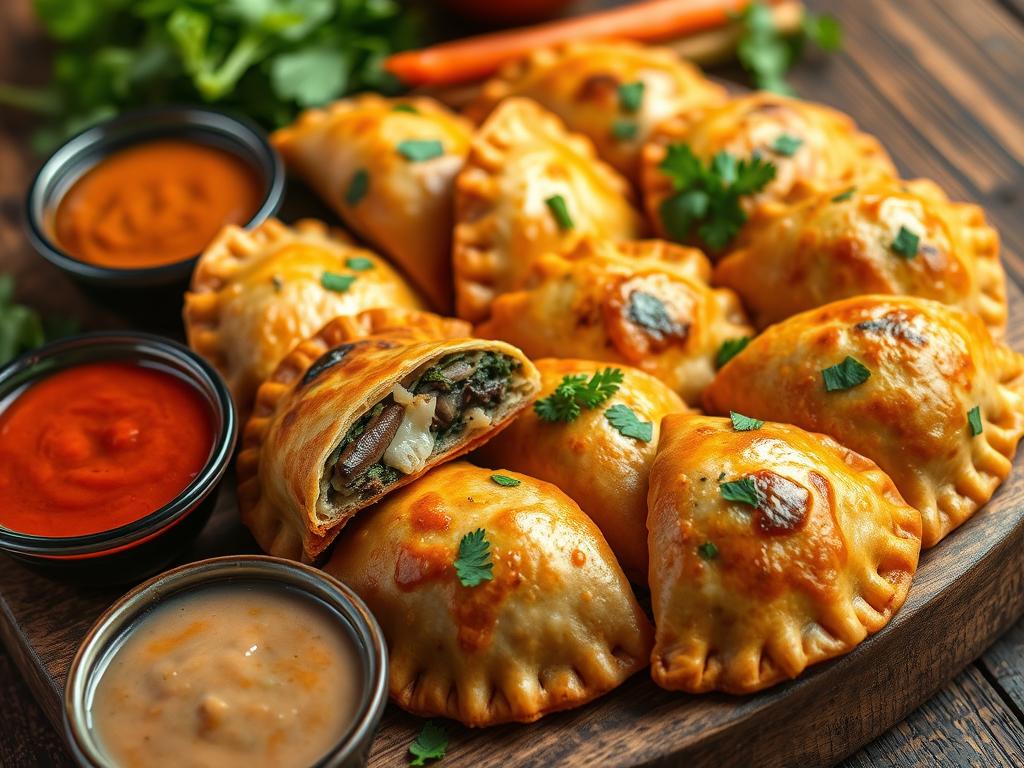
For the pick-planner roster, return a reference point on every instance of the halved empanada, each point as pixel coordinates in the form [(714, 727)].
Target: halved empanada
[(931, 370), (343, 422), (811, 146), (388, 167), (256, 294), (529, 187), (556, 626), (643, 312), (601, 467), (612, 92), (748, 594), (888, 236)]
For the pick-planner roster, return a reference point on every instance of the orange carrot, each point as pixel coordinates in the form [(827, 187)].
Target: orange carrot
[(474, 58)]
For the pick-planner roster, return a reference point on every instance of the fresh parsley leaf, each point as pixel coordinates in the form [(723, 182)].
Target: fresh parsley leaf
[(905, 244), (405, 108), (602, 385), (576, 392), (845, 375), (743, 490), (473, 565), (556, 204), (431, 744), (624, 130), (626, 422), (418, 150), (786, 145), (359, 264), (824, 31), (310, 76), (842, 197), (631, 96), (21, 327), (743, 423), (505, 480), (358, 187), (730, 348), (332, 281), (974, 421), (708, 550)]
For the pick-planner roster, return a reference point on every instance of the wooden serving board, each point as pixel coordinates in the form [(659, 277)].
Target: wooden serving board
[(967, 591)]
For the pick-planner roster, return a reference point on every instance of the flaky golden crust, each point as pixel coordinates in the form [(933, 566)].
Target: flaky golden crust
[(556, 627), (580, 83), (831, 153), (406, 209), (929, 365), (645, 312), (794, 257), (255, 294), (601, 469), (745, 597), (521, 157)]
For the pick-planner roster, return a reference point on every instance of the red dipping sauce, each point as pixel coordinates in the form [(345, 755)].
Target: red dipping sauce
[(98, 446)]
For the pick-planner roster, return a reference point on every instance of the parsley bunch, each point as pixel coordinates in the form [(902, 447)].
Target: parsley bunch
[(576, 392), (707, 198), (21, 327)]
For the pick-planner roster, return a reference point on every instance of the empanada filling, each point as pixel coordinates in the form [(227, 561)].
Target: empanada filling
[(422, 417)]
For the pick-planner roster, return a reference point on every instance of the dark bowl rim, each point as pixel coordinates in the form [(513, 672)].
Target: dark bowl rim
[(280, 572), (181, 116), (199, 374)]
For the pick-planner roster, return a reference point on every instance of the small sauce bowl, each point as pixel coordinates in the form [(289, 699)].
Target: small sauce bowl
[(109, 634), (142, 547)]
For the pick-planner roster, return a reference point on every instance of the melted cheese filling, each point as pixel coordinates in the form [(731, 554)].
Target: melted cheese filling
[(412, 445)]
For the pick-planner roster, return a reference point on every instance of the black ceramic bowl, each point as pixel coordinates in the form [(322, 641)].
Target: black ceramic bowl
[(145, 546), (351, 614), (148, 293)]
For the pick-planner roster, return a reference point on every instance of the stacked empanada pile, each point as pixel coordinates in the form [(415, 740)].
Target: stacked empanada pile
[(840, 327)]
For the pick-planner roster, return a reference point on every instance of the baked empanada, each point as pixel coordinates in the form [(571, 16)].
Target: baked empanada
[(811, 146), (529, 187), (602, 467), (612, 92), (888, 236), (256, 294), (918, 387), (643, 312), (555, 627), (388, 167), (342, 423), (771, 550)]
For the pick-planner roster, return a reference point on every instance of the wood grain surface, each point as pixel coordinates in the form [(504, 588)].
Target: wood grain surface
[(940, 83)]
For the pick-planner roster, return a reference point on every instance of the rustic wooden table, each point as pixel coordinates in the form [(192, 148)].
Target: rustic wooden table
[(941, 82)]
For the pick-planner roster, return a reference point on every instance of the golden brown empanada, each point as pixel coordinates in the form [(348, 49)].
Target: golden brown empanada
[(344, 422), (811, 146), (524, 165), (556, 626), (256, 294), (928, 367), (748, 594), (888, 236), (644, 312), (612, 92), (388, 167), (598, 465)]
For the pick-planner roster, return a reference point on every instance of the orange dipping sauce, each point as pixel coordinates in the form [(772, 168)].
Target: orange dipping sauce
[(155, 203), (98, 446)]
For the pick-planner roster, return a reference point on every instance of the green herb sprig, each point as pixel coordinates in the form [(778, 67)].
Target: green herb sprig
[(22, 328), (473, 565), (430, 744), (576, 392), (628, 424)]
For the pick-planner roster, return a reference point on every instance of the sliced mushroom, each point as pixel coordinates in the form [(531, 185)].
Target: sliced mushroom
[(366, 450)]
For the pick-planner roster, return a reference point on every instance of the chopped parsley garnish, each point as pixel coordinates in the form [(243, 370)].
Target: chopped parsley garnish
[(650, 313), (845, 375), (576, 392), (626, 422), (707, 199), (743, 491), (505, 480), (418, 150), (708, 550), (786, 145), (473, 565), (335, 282), (905, 244), (624, 130), (405, 108), (359, 264), (631, 96), (743, 423), (974, 421), (358, 187), (730, 348), (431, 744), (556, 204), (842, 197)]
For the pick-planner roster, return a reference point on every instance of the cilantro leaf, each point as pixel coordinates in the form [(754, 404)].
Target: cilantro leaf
[(418, 150), (842, 197), (845, 375), (335, 282), (405, 108), (431, 744), (556, 204), (576, 392), (708, 550), (358, 187), (743, 423), (359, 264), (505, 480), (626, 422), (624, 130), (730, 348), (473, 565), (631, 96), (905, 244), (743, 490), (21, 327), (602, 385), (974, 421), (310, 76), (786, 145)]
